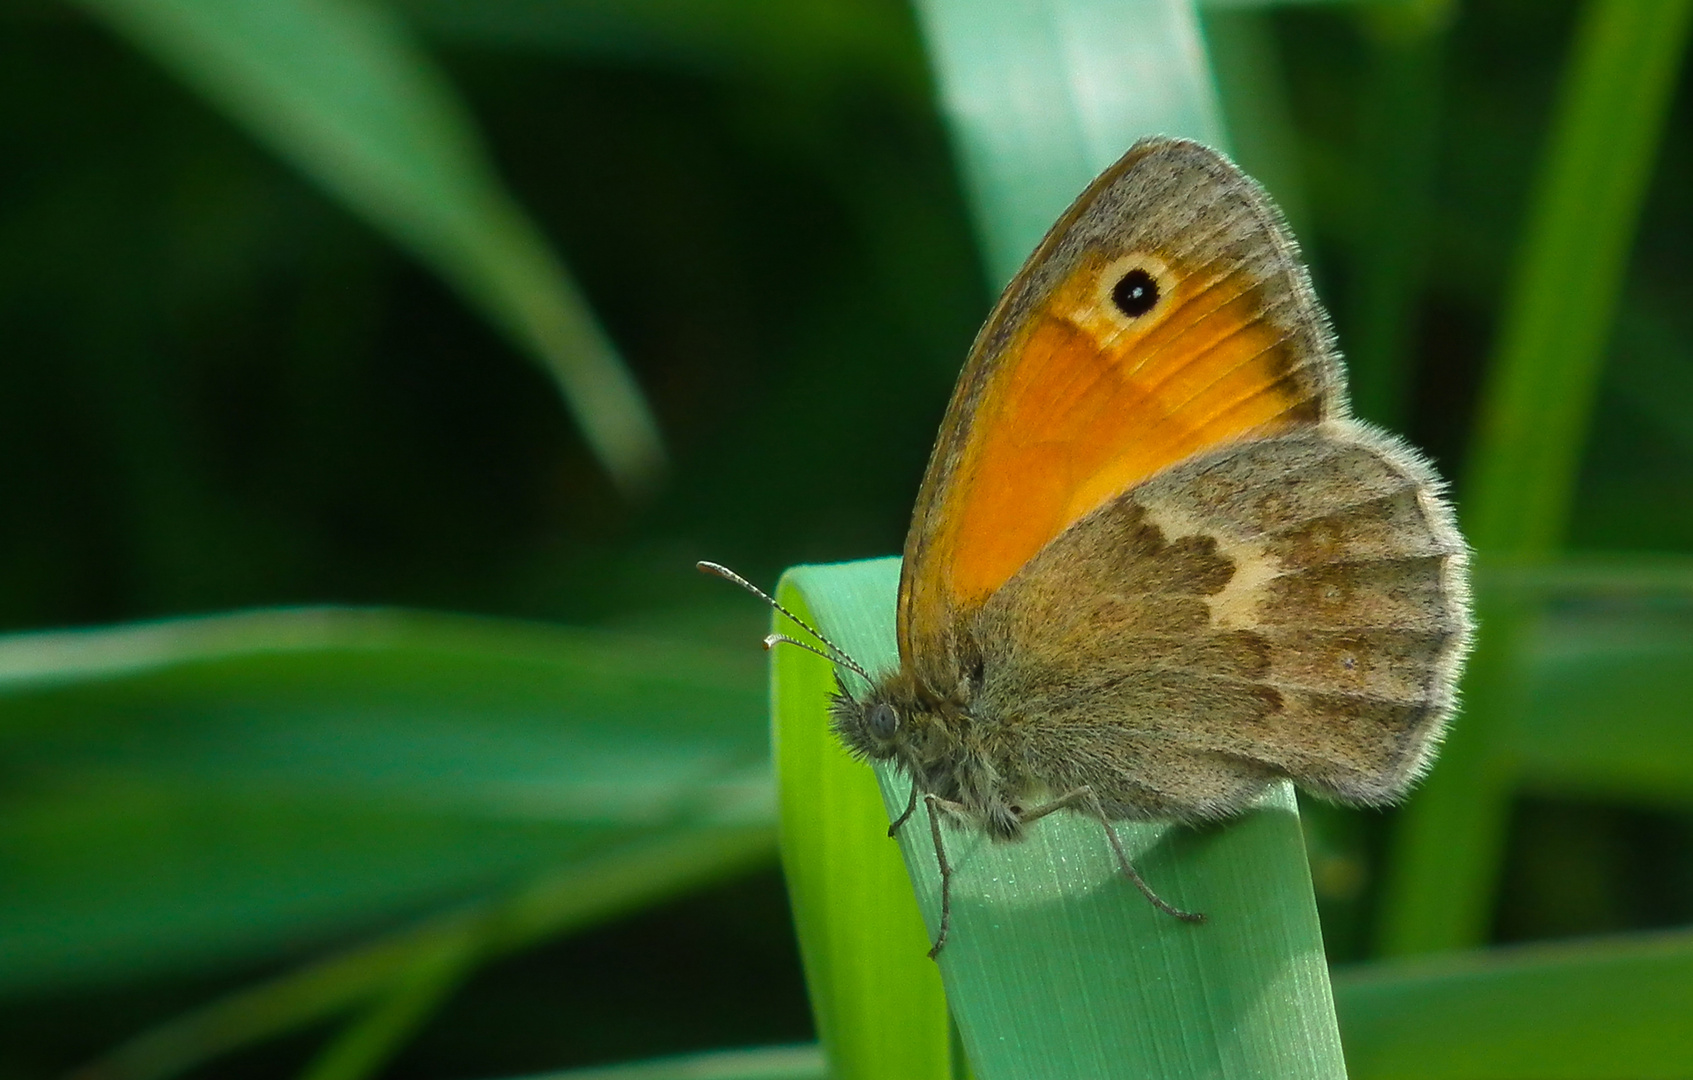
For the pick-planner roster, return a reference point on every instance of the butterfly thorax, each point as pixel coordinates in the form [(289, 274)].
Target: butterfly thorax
[(929, 734)]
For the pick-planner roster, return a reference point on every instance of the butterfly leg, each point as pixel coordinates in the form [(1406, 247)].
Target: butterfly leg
[(946, 870), (1084, 798), (910, 808), (1140, 883)]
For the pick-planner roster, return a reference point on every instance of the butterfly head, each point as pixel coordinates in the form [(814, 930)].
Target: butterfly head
[(898, 720), (875, 727), (893, 720)]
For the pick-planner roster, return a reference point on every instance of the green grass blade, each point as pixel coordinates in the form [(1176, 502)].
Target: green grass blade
[(374, 1037), (1590, 696), (205, 792), (1609, 1009), (340, 89), (1529, 440), (1580, 229), (764, 1063), (1440, 878), (876, 997), (612, 883), (1057, 967), (1042, 97)]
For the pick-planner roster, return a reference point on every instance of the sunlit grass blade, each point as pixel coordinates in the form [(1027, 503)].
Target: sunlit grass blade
[(1530, 436), (340, 89), (1056, 965), (876, 997), (764, 1063), (208, 792), (1041, 97), (1606, 1009), (636, 874)]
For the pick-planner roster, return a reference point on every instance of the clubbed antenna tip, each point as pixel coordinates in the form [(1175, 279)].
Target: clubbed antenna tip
[(835, 655)]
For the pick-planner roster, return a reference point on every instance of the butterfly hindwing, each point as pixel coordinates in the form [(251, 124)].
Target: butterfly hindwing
[(1293, 606)]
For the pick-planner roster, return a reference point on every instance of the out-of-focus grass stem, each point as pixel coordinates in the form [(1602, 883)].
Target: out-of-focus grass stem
[(1400, 131), (1534, 412)]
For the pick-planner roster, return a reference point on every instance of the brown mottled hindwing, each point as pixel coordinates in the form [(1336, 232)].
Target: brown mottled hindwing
[(1293, 607)]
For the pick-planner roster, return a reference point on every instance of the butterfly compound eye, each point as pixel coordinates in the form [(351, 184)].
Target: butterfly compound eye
[(1135, 293), (883, 721)]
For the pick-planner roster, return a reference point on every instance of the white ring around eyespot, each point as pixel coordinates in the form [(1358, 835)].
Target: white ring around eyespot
[(1155, 268)]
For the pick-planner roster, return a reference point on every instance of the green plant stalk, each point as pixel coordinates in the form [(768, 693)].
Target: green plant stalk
[(1604, 1009), (1615, 643), (1056, 966), (1438, 883), (1538, 395), (1545, 680), (1527, 450)]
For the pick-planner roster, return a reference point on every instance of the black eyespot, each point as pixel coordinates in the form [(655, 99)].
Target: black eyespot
[(882, 721), (1135, 293)]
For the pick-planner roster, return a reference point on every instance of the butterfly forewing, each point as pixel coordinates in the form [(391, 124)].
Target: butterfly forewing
[(1165, 315)]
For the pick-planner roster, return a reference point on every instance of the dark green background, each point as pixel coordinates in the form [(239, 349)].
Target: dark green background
[(220, 390)]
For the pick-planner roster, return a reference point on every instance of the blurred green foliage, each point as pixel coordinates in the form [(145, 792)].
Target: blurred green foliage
[(233, 381)]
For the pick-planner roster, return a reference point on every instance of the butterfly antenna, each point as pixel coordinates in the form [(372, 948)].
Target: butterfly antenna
[(773, 640), (835, 655)]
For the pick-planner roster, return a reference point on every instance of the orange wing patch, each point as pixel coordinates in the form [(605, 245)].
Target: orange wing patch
[(1090, 400)]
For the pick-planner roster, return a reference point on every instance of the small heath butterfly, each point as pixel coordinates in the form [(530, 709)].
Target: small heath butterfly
[(1154, 565)]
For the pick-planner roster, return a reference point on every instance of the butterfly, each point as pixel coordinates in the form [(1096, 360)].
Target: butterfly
[(1155, 565)]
